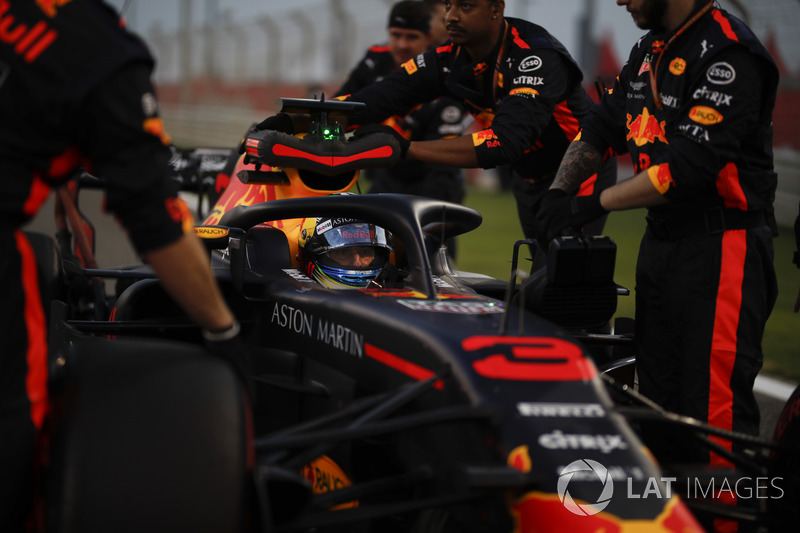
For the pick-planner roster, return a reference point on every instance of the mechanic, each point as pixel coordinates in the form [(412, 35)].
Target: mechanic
[(410, 33), (75, 91), (438, 30), (693, 107), (345, 253), (516, 79)]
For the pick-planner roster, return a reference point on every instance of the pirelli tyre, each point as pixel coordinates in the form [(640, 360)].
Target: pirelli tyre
[(146, 435), (784, 503)]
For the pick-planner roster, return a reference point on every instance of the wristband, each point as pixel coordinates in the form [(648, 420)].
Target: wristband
[(224, 335)]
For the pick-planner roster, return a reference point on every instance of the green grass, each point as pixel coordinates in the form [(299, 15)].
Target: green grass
[(488, 250)]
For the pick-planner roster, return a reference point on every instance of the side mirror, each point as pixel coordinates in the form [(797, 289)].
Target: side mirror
[(213, 237)]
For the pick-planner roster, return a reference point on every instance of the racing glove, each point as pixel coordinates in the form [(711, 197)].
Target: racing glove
[(369, 129), (559, 211), (280, 122), (229, 346)]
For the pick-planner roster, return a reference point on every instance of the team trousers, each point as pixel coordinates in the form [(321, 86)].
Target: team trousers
[(23, 378), (702, 303)]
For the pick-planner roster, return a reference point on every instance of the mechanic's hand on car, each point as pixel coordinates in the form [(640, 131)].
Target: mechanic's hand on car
[(559, 210), (369, 129), (229, 345), (281, 122)]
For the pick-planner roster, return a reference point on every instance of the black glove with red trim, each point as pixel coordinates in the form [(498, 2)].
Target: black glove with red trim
[(369, 129), (559, 211)]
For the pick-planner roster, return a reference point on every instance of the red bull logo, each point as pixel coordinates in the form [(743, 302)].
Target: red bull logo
[(520, 459), (539, 512), (485, 136), (661, 177), (658, 46), (410, 66), (29, 42), (646, 129)]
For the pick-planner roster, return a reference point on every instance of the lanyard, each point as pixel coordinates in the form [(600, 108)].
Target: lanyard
[(501, 53), (654, 72)]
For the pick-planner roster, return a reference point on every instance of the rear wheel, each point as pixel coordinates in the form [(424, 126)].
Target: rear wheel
[(784, 502)]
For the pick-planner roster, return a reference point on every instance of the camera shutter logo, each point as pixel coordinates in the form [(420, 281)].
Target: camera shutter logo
[(585, 465)]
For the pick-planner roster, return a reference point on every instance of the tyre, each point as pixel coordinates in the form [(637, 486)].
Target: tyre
[(784, 501)]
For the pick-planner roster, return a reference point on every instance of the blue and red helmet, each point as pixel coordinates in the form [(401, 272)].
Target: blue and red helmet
[(343, 253)]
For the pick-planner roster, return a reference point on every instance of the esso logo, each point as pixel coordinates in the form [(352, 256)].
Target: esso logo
[(530, 64), (721, 73)]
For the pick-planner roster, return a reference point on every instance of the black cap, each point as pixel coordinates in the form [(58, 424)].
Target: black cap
[(410, 15)]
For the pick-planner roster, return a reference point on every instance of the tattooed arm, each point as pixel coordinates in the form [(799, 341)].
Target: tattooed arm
[(579, 163), (582, 160)]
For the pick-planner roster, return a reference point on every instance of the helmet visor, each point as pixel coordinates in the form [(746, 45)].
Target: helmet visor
[(354, 234)]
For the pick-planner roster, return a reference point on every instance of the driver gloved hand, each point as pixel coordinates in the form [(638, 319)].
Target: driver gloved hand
[(369, 129), (281, 122), (229, 346), (562, 211)]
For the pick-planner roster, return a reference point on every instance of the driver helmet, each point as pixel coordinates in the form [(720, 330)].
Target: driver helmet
[(343, 253)]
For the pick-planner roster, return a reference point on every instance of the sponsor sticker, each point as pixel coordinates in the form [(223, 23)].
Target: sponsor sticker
[(705, 115), (531, 81), (637, 86), (325, 475), (210, 232), (558, 440), (451, 114), (530, 63), (480, 137), (645, 67), (721, 73), (325, 226), (410, 66), (560, 410), (677, 66), (660, 177), (524, 91), (717, 97), (454, 307), (520, 459), (149, 104)]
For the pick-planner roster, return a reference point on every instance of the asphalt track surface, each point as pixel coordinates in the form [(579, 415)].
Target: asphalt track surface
[(113, 249)]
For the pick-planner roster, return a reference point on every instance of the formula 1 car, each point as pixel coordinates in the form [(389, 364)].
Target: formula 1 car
[(437, 400)]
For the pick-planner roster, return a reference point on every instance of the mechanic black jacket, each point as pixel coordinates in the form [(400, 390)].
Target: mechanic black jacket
[(75, 91), (439, 119), (709, 142), (531, 103)]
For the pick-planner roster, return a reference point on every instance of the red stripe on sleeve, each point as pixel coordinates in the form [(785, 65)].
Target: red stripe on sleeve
[(566, 120)]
